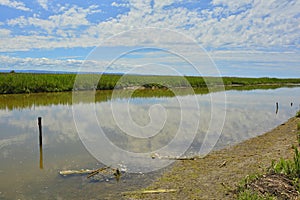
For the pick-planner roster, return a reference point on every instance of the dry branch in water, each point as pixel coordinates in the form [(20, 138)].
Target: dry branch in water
[(150, 191)]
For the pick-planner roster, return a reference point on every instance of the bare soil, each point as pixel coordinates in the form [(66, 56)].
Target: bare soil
[(218, 174)]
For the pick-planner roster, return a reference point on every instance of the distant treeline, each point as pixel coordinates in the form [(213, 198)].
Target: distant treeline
[(14, 83)]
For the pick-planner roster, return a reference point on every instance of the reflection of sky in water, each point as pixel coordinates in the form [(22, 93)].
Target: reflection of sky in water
[(248, 113)]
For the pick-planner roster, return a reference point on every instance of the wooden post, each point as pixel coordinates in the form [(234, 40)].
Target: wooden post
[(41, 142), (40, 130), (277, 106)]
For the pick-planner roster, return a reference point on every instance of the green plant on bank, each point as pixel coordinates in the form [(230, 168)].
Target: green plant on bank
[(246, 180), (298, 115), (245, 194), (298, 133)]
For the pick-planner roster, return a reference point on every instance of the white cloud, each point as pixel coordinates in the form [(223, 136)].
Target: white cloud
[(70, 18), (248, 24), (115, 4), (72, 65), (14, 4), (4, 33), (43, 4)]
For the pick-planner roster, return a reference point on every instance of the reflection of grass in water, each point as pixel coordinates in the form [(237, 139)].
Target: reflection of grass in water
[(18, 101)]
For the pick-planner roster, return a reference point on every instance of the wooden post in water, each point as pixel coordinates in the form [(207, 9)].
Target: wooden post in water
[(41, 141), (40, 130), (277, 106)]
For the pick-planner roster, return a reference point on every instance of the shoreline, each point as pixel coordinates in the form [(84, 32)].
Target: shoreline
[(214, 176)]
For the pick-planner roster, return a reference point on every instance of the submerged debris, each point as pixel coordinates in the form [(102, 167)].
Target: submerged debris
[(106, 173)]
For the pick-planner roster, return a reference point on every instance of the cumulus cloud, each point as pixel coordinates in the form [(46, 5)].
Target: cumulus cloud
[(68, 20), (115, 4), (14, 4), (221, 25), (250, 23), (4, 33), (69, 65), (43, 4)]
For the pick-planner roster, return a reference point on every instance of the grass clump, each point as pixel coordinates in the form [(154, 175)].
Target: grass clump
[(246, 193), (298, 115), (291, 168)]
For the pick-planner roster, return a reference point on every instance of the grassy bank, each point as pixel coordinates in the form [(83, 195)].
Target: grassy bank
[(13, 83)]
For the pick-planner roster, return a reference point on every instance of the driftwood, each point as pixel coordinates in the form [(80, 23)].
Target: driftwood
[(73, 172), (155, 155), (97, 171), (91, 173), (157, 191)]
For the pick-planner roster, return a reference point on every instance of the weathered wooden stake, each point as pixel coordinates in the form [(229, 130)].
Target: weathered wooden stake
[(40, 130), (41, 142), (277, 106)]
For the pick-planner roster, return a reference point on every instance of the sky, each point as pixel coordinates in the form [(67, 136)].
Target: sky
[(250, 38)]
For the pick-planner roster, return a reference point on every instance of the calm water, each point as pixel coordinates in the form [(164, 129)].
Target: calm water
[(248, 114)]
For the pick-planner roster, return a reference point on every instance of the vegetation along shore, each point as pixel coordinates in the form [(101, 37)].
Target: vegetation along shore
[(14, 83)]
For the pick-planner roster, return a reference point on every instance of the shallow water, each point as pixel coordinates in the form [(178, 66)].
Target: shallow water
[(157, 121)]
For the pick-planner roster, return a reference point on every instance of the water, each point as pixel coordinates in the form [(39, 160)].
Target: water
[(25, 175)]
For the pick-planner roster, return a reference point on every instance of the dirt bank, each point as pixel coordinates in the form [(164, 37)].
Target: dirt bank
[(215, 175)]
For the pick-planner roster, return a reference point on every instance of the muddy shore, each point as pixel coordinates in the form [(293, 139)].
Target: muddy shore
[(214, 176)]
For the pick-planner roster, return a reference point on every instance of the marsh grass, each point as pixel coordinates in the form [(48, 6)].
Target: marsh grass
[(12, 83)]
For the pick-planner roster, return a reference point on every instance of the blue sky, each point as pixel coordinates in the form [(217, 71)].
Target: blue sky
[(241, 37)]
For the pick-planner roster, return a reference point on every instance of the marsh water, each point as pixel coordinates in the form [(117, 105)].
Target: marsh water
[(29, 172)]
